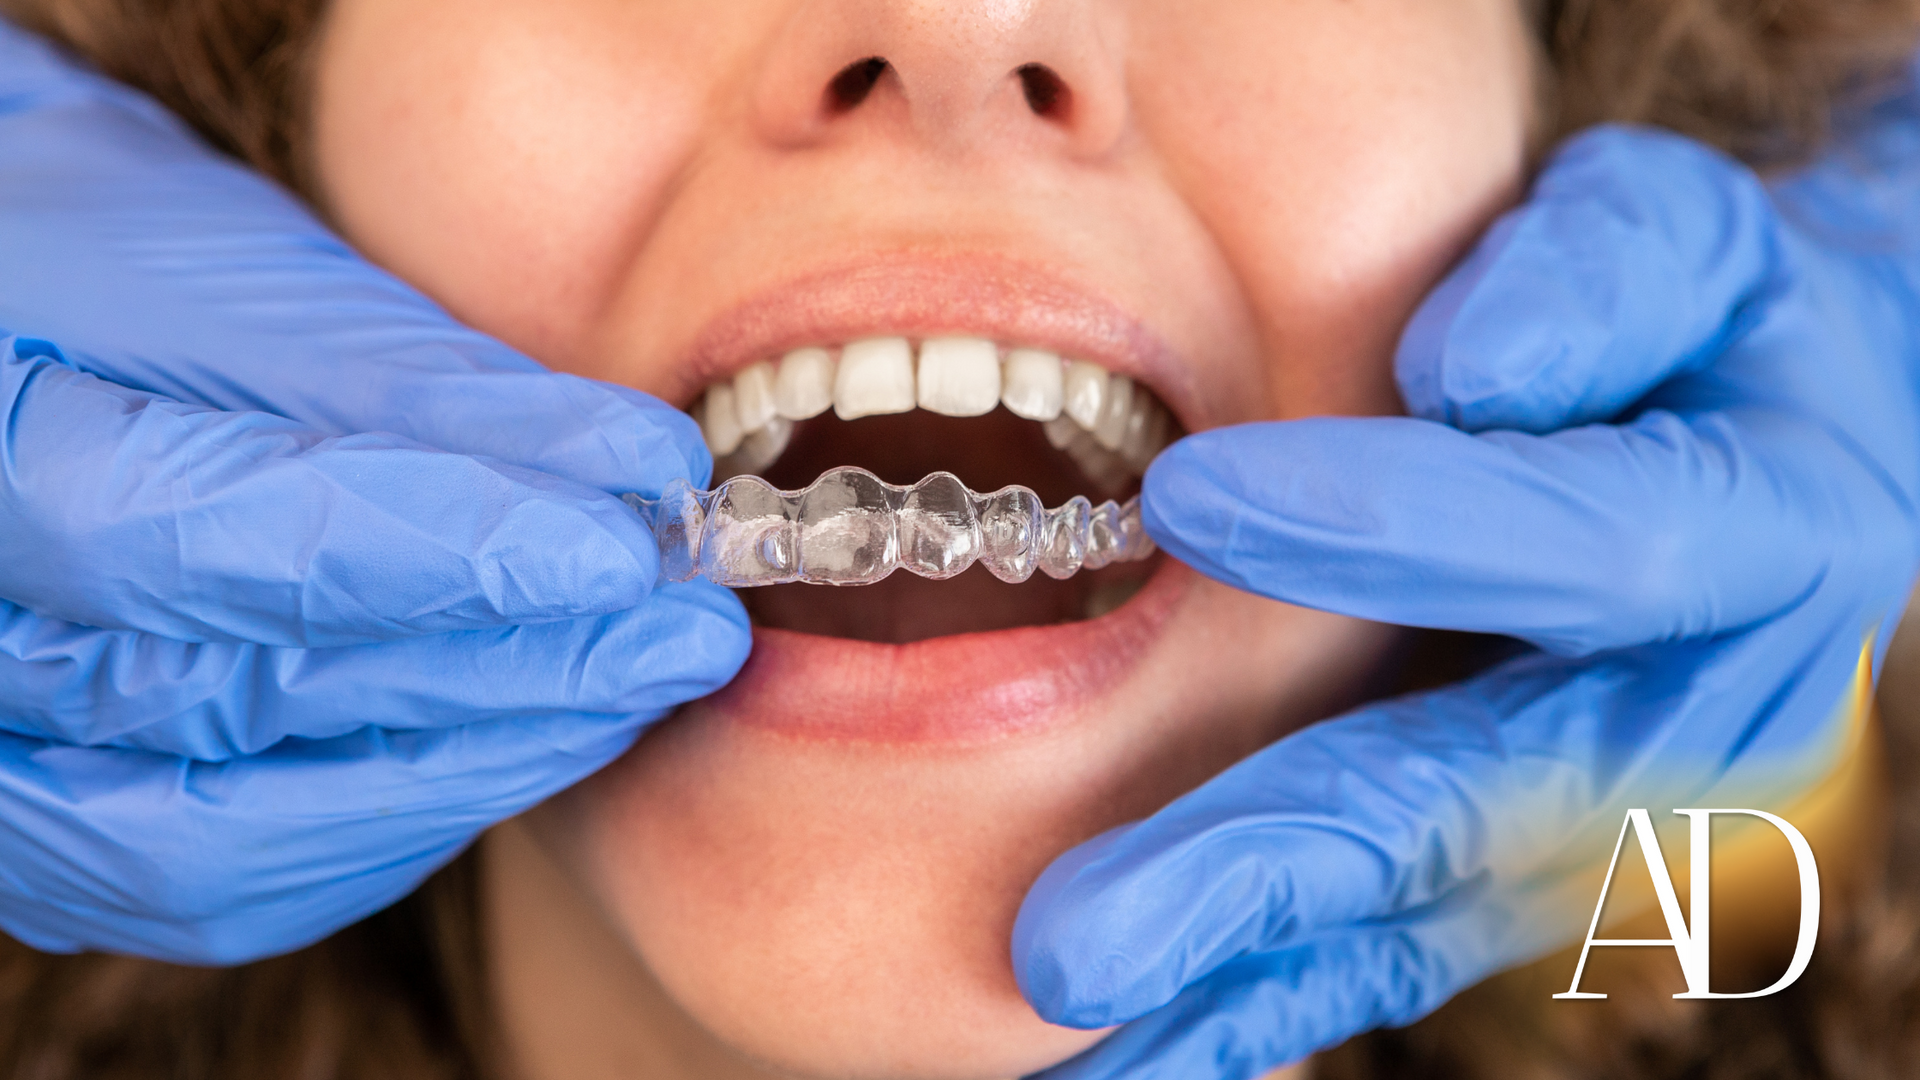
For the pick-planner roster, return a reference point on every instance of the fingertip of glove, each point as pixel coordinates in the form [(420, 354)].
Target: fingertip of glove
[(1419, 361), (602, 435), (1247, 504), (732, 629), (1224, 468), (1491, 345), (671, 443), (689, 445), (566, 554), (1629, 255), (711, 629), (1064, 959)]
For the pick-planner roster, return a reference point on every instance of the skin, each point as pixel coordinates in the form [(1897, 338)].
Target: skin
[(1263, 189)]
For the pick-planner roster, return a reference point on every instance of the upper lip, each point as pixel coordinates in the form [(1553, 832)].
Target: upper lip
[(1008, 300)]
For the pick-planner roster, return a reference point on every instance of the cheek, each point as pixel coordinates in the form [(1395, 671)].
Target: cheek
[(505, 156), (1339, 181)]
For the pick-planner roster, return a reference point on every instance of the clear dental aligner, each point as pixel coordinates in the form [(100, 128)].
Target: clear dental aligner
[(850, 527)]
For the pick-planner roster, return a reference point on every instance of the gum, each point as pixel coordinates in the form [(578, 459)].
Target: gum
[(849, 527)]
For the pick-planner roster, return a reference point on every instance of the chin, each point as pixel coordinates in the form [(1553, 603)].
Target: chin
[(822, 864)]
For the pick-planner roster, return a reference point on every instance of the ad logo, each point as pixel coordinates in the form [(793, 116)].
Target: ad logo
[(1690, 936)]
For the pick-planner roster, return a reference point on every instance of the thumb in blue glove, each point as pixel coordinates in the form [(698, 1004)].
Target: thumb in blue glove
[(307, 584), (1701, 575)]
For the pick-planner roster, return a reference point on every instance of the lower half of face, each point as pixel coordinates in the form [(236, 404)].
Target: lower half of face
[(837, 903), (1020, 243)]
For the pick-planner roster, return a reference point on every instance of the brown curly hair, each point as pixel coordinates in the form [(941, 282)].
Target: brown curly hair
[(1761, 79), (402, 995)]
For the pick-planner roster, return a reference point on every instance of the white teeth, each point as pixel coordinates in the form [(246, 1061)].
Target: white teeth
[(804, 387), (753, 396), (1062, 431), (1086, 392), (1106, 469), (761, 448), (959, 376), (1033, 384), (719, 421), (1111, 428), (1146, 436), (1104, 422), (875, 378)]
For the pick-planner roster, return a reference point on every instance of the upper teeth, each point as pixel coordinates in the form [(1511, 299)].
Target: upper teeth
[(1106, 423)]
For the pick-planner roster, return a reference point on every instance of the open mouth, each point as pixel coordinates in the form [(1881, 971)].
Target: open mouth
[(992, 415)]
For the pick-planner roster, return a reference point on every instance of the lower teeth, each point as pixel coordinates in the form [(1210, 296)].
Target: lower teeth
[(849, 527)]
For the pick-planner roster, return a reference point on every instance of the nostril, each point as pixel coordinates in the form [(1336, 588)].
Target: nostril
[(855, 81), (1047, 93)]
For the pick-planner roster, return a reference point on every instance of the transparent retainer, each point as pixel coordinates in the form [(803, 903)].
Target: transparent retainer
[(850, 527)]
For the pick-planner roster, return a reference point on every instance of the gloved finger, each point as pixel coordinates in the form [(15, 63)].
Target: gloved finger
[(1273, 1009), (1414, 804), (156, 263), (215, 702), (1638, 256), (125, 510), (224, 863), (1595, 538)]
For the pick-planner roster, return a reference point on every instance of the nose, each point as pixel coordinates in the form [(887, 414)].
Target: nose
[(949, 74)]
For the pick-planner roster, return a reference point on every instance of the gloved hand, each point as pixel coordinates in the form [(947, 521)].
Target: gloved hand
[(304, 584), (1667, 430)]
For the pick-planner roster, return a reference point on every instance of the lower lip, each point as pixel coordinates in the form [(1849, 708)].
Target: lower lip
[(964, 688)]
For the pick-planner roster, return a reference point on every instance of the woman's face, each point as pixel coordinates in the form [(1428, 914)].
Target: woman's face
[(1235, 203)]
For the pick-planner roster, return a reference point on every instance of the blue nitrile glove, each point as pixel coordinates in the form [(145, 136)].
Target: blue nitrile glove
[(1690, 483), (303, 583)]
